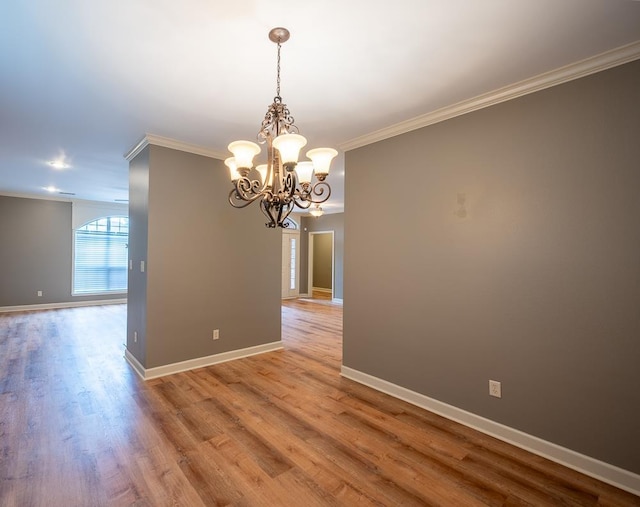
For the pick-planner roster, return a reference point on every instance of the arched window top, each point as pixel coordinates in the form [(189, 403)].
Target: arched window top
[(115, 225), (83, 212), (291, 223)]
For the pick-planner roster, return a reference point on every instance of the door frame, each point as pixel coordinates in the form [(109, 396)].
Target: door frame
[(310, 262)]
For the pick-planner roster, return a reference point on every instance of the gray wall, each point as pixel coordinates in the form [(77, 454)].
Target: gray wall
[(537, 287), (209, 266), (333, 222), (323, 260), (36, 239)]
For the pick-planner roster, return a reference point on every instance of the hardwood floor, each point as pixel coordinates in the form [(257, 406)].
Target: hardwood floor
[(79, 428)]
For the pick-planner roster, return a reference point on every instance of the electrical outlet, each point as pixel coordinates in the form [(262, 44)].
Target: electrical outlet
[(135, 337), (216, 334), (495, 388), (39, 293)]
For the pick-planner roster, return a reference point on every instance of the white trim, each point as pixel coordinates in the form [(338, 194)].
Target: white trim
[(600, 470), (135, 364), (51, 197), (338, 300), (597, 63), (54, 306), (173, 144), (199, 362), (42, 197)]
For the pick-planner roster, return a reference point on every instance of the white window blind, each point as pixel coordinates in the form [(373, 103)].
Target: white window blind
[(100, 256)]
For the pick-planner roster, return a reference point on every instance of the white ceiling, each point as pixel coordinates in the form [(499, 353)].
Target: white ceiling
[(86, 80)]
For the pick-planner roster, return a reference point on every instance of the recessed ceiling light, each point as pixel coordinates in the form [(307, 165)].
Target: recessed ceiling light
[(51, 188), (59, 164)]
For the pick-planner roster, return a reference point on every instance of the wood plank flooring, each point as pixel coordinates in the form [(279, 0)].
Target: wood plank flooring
[(79, 428)]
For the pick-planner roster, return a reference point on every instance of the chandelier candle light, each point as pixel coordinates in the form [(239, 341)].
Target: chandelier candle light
[(282, 183)]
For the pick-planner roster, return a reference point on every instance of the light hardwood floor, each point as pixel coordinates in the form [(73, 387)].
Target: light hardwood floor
[(79, 428)]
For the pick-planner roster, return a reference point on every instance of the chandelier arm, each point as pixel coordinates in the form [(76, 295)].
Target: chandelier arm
[(236, 201), (319, 189), (288, 190), (284, 213), (265, 207), (305, 204), (247, 188), (246, 191), (239, 202), (279, 219)]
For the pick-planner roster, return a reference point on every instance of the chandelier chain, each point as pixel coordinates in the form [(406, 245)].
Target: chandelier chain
[(278, 73)]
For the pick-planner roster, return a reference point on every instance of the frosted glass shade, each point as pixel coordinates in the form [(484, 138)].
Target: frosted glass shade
[(233, 170), (262, 169), (243, 152), (289, 146), (304, 170), (322, 158)]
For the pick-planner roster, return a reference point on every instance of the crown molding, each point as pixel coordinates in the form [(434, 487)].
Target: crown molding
[(174, 144), (597, 63), (43, 197)]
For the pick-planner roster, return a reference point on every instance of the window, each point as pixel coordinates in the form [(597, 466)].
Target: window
[(100, 256), (290, 223), (293, 262)]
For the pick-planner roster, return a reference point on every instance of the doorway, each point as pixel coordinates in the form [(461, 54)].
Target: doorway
[(321, 265)]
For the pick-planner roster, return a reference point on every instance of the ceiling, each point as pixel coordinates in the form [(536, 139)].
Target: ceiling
[(85, 81)]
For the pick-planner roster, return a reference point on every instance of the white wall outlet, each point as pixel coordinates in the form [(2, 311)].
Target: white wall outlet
[(216, 334), (141, 266), (39, 293), (495, 388), (135, 337)]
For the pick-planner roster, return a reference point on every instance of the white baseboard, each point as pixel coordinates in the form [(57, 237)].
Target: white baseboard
[(135, 364), (338, 300), (199, 362), (587, 465), (54, 306)]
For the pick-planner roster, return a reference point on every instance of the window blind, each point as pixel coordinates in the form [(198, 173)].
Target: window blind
[(100, 260)]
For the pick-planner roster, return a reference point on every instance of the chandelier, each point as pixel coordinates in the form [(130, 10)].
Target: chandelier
[(282, 183), (317, 211)]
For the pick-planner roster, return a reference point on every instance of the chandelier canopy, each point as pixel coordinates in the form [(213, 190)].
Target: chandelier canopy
[(282, 183)]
